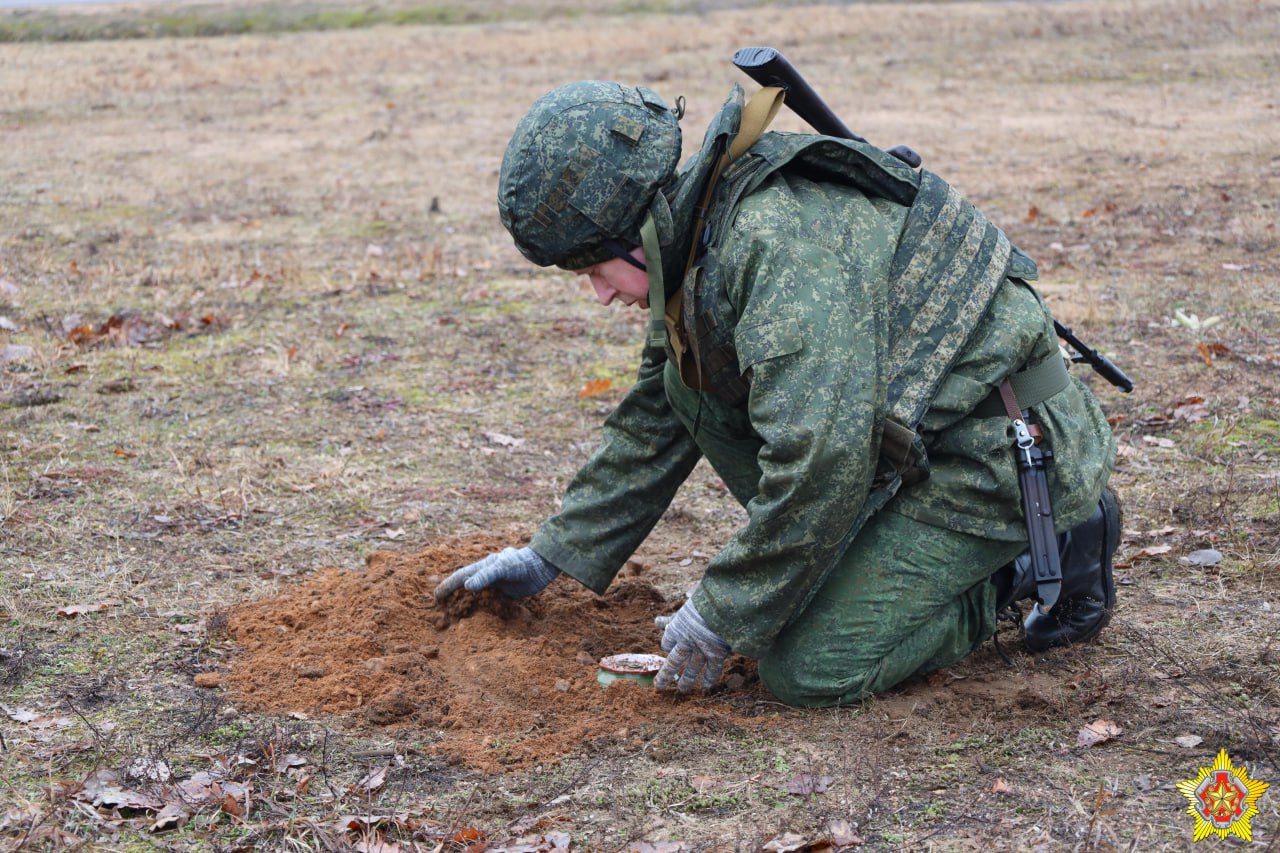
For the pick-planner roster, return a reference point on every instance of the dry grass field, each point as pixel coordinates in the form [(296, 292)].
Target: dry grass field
[(258, 318)]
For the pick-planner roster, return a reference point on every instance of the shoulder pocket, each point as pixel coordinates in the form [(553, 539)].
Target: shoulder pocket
[(764, 341)]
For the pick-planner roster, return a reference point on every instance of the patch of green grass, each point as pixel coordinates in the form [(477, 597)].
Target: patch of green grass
[(965, 744), (719, 803), (933, 810), (229, 733), (1032, 738), (201, 22)]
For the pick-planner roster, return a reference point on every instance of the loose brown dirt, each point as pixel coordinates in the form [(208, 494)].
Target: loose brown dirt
[(511, 683)]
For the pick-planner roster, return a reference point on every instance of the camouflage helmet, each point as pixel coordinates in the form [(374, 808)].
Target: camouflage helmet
[(582, 168)]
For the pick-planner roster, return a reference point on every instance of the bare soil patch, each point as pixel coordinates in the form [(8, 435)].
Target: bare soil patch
[(511, 684)]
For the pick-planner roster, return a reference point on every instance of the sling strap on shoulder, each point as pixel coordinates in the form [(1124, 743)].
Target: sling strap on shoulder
[(666, 314), (1032, 385)]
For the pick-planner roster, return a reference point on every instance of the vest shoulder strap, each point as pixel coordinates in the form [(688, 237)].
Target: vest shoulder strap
[(948, 266)]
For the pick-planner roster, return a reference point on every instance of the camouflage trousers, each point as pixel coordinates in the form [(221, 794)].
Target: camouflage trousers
[(905, 599)]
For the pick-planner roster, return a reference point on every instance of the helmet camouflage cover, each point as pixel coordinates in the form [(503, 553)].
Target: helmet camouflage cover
[(582, 167)]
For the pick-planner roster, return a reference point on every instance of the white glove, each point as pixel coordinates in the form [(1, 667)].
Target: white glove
[(695, 654), (514, 573)]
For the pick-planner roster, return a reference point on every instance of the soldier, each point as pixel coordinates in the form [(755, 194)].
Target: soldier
[(829, 328)]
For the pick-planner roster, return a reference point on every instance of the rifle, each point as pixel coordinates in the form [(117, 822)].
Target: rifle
[(1088, 355), (768, 67)]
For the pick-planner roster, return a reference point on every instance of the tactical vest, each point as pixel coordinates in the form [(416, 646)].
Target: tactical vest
[(947, 267)]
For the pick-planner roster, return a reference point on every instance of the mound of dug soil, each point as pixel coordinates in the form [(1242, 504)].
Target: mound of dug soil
[(510, 683)]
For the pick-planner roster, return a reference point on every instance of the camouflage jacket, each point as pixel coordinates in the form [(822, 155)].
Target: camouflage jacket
[(801, 273)]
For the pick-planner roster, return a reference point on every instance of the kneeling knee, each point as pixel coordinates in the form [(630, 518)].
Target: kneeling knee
[(799, 685)]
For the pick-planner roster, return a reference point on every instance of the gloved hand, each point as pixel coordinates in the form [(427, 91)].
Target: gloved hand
[(695, 654), (514, 573)]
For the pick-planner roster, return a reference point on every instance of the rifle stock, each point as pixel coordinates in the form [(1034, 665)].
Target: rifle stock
[(768, 67)]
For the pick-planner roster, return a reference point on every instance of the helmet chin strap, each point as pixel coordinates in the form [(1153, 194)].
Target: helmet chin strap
[(620, 251), (657, 286)]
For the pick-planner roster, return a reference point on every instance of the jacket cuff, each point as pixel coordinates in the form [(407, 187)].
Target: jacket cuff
[(715, 620), (569, 562)]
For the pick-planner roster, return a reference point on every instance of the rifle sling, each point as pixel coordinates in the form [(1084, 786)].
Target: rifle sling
[(1037, 505), (1032, 386)]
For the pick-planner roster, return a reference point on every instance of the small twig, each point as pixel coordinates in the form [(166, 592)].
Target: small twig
[(324, 762), (97, 735)]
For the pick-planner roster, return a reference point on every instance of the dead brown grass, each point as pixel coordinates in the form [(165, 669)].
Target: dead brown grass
[(320, 317)]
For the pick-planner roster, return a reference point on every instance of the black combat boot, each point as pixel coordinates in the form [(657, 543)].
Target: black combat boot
[(1088, 592)]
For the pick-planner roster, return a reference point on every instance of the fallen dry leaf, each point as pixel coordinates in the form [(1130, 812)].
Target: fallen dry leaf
[(502, 439), (655, 847), (1203, 557), (594, 387), (1152, 551), (100, 789), (372, 781), (842, 834), (1205, 354), (16, 352), (702, 784), (552, 842), (151, 769), (44, 722), (201, 788), (1191, 410), (470, 840), (1099, 731), (804, 784), (1000, 786), (28, 814), (1188, 741), (366, 822), (232, 806), (71, 611), (19, 715), (172, 816), (377, 846), (790, 842)]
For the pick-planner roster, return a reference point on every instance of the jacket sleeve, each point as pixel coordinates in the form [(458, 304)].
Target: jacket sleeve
[(620, 493), (811, 333)]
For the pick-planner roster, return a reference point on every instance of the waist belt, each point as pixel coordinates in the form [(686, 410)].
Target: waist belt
[(1032, 386)]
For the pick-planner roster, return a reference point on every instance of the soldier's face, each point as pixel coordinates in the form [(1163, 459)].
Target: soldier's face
[(616, 280)]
